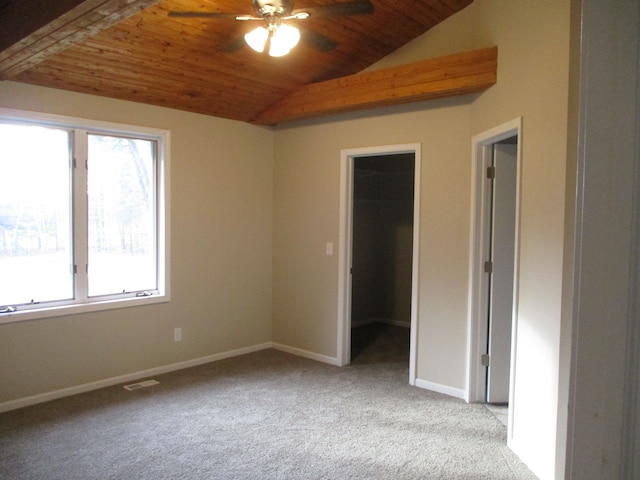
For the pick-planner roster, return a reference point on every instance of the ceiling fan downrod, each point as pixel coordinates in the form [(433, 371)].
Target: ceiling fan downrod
[(268, 8), (281, 10)]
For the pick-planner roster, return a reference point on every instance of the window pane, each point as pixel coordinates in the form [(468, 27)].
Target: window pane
[(121, 215), (35, 206)]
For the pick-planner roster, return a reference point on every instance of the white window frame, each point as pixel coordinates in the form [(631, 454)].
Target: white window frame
[(93, 304)]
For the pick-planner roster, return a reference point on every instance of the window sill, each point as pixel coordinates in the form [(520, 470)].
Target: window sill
[(74, 309)]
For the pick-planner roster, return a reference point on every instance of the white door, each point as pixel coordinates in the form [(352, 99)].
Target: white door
[(503, 220)]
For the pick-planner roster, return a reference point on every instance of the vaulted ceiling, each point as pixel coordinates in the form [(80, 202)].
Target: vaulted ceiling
[(133, 50)]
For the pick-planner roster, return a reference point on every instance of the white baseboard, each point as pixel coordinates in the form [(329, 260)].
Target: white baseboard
[(306, 354), (399, 323), (135, 376), (362, 323), (108, 382), (439, 388), (387, 321)]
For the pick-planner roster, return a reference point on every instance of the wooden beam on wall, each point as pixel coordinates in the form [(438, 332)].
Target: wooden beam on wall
[(35, 33), (458, 74)]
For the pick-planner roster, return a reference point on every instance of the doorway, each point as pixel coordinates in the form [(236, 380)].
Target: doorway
[(378, 245), (382, 237), (493, 266)]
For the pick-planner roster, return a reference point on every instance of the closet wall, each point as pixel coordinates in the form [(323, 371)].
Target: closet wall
[(382, 239)]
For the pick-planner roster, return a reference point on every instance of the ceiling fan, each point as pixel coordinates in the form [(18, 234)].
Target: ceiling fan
[(278, 37)]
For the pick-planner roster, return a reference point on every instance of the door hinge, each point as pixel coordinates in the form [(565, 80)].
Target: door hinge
[(488, 267), (491, 173), (485, 360)]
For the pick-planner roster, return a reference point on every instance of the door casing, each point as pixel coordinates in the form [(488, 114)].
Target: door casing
[(478, 281), (347, 157)]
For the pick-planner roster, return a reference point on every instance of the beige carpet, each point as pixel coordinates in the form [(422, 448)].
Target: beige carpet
[(266, 415)]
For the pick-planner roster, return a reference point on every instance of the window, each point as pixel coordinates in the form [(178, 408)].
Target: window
[(82, 215)]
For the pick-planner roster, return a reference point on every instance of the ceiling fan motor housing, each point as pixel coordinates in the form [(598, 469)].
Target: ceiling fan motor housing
[(268, 8)]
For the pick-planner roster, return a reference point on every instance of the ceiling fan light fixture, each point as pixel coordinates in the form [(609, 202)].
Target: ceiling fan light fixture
[(257, 39), (277, 37), (283, 39), (280, 37)]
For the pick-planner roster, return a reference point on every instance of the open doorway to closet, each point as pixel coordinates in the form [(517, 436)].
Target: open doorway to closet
[(379, 249), (382, 248)]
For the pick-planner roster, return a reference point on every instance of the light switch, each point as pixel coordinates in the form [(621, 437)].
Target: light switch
[(329, 248)]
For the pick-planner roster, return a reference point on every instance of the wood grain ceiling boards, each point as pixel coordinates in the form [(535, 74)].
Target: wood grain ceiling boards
[(458, 74), (185, 63)]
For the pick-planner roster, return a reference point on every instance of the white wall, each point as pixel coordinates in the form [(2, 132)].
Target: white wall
[(306, 199), (221, 242), (533, 75)]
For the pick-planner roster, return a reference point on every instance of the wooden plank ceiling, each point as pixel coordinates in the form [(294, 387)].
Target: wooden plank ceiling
[(133, 50)]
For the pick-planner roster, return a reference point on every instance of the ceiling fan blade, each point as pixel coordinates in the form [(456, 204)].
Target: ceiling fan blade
[(205, 15), (338, 9), (235, 45), (317, 40)]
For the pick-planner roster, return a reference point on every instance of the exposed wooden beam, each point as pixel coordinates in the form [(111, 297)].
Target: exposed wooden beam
[(458, 74), (35, 33), (20, 18)]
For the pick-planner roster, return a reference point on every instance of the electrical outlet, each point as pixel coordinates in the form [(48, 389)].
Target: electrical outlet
[(328, 248), (177, 334)]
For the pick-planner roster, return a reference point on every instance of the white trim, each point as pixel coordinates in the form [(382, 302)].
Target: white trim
[(605, 355), (363, 323), (28, 116), (415, 268), (344, 259), (386, 321), (163, 228), (439, 388), (306, 354), (135, 376), (109, 382), (74, 309), (478, 289), (476, 319), (345, 237), (631, 430)]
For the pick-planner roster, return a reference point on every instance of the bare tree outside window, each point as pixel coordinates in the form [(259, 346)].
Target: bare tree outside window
[(121, 222)]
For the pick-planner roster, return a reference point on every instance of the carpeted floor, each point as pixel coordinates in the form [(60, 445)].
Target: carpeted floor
[(266, 415), (380, 343)]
